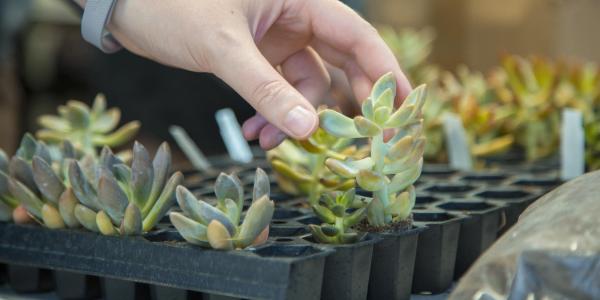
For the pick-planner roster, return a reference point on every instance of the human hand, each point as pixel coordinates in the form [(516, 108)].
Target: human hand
[(270, 51)]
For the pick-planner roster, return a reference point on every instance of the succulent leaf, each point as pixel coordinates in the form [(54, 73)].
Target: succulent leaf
[(66, 207), (320, 236), (51, 217), (289, 172), (112, 198), (106, 121), (385, 100), (337, 124), (400, 117), (164, 202), (385, 82), (262, 185), (404, 179), (218, 236), (86, 217), (104, 224), (27, 147), (82, 189), (324, 213), (366, 127), (257, 219), (355, 217), (401, 148), (229, 187), (119, 137), (49, 185), (78, 114), (376, 213), (32, 203), (21, 171), (367, 109), (341, 168), (132, 221), (162, 167), (142, 175), (55, 123), (370, 180), (189, 229)]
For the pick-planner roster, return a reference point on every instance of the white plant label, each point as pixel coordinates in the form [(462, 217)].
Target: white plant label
[(189, 148), (572, 145), (231, 132), (459, 153)]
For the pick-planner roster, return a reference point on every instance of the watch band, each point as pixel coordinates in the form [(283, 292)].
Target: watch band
[(96, 15)]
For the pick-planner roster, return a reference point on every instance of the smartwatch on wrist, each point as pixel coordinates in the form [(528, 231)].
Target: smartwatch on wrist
[(96, 14)]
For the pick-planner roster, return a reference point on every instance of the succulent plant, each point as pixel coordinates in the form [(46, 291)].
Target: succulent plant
[(86, 128), (117, 199), (300, 165), (392, 166), (579, 88), (36, 179), (335, 209), (218, 226), (469, 96), (536, 122), (412, 49)]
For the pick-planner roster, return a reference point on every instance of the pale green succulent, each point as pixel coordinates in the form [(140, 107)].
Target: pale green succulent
[(299, 166), (86, 128), (412, 49), (36, 179), (218, 227), (392, 166), (117, 199), (333, 209)]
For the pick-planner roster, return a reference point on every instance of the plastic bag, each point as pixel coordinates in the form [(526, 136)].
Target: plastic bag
[(553, 252)]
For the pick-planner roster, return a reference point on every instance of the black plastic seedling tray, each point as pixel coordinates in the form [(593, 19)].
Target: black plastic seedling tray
[(269, 272), (290, 266), (436, 250)]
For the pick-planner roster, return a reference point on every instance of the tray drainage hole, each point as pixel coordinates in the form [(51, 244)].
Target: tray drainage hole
[(424, 200), (503, 194), (538, 182), (286, 251), (278, 197), (285, 240), (310, 220), (286, 231), (286, 214), (484, 177), (431, 217), (466, 206), (279, 222), (450, 188)]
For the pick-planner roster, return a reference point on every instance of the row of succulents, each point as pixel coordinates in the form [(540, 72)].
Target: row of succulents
[(333, 167), (515, 105), (61, 180)]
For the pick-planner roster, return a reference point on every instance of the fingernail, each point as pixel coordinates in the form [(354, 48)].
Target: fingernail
[(299, 121)]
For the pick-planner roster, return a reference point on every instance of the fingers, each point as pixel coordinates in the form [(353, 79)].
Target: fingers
[(342, 29), (247, 71), (305, 71), (252, 127)]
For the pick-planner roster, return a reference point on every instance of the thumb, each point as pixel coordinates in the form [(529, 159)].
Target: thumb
[(249, 73)]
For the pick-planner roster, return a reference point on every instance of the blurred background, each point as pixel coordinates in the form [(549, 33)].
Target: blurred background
[(44, 61)]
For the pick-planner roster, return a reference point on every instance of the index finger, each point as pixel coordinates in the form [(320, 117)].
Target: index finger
[(341, 28)]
